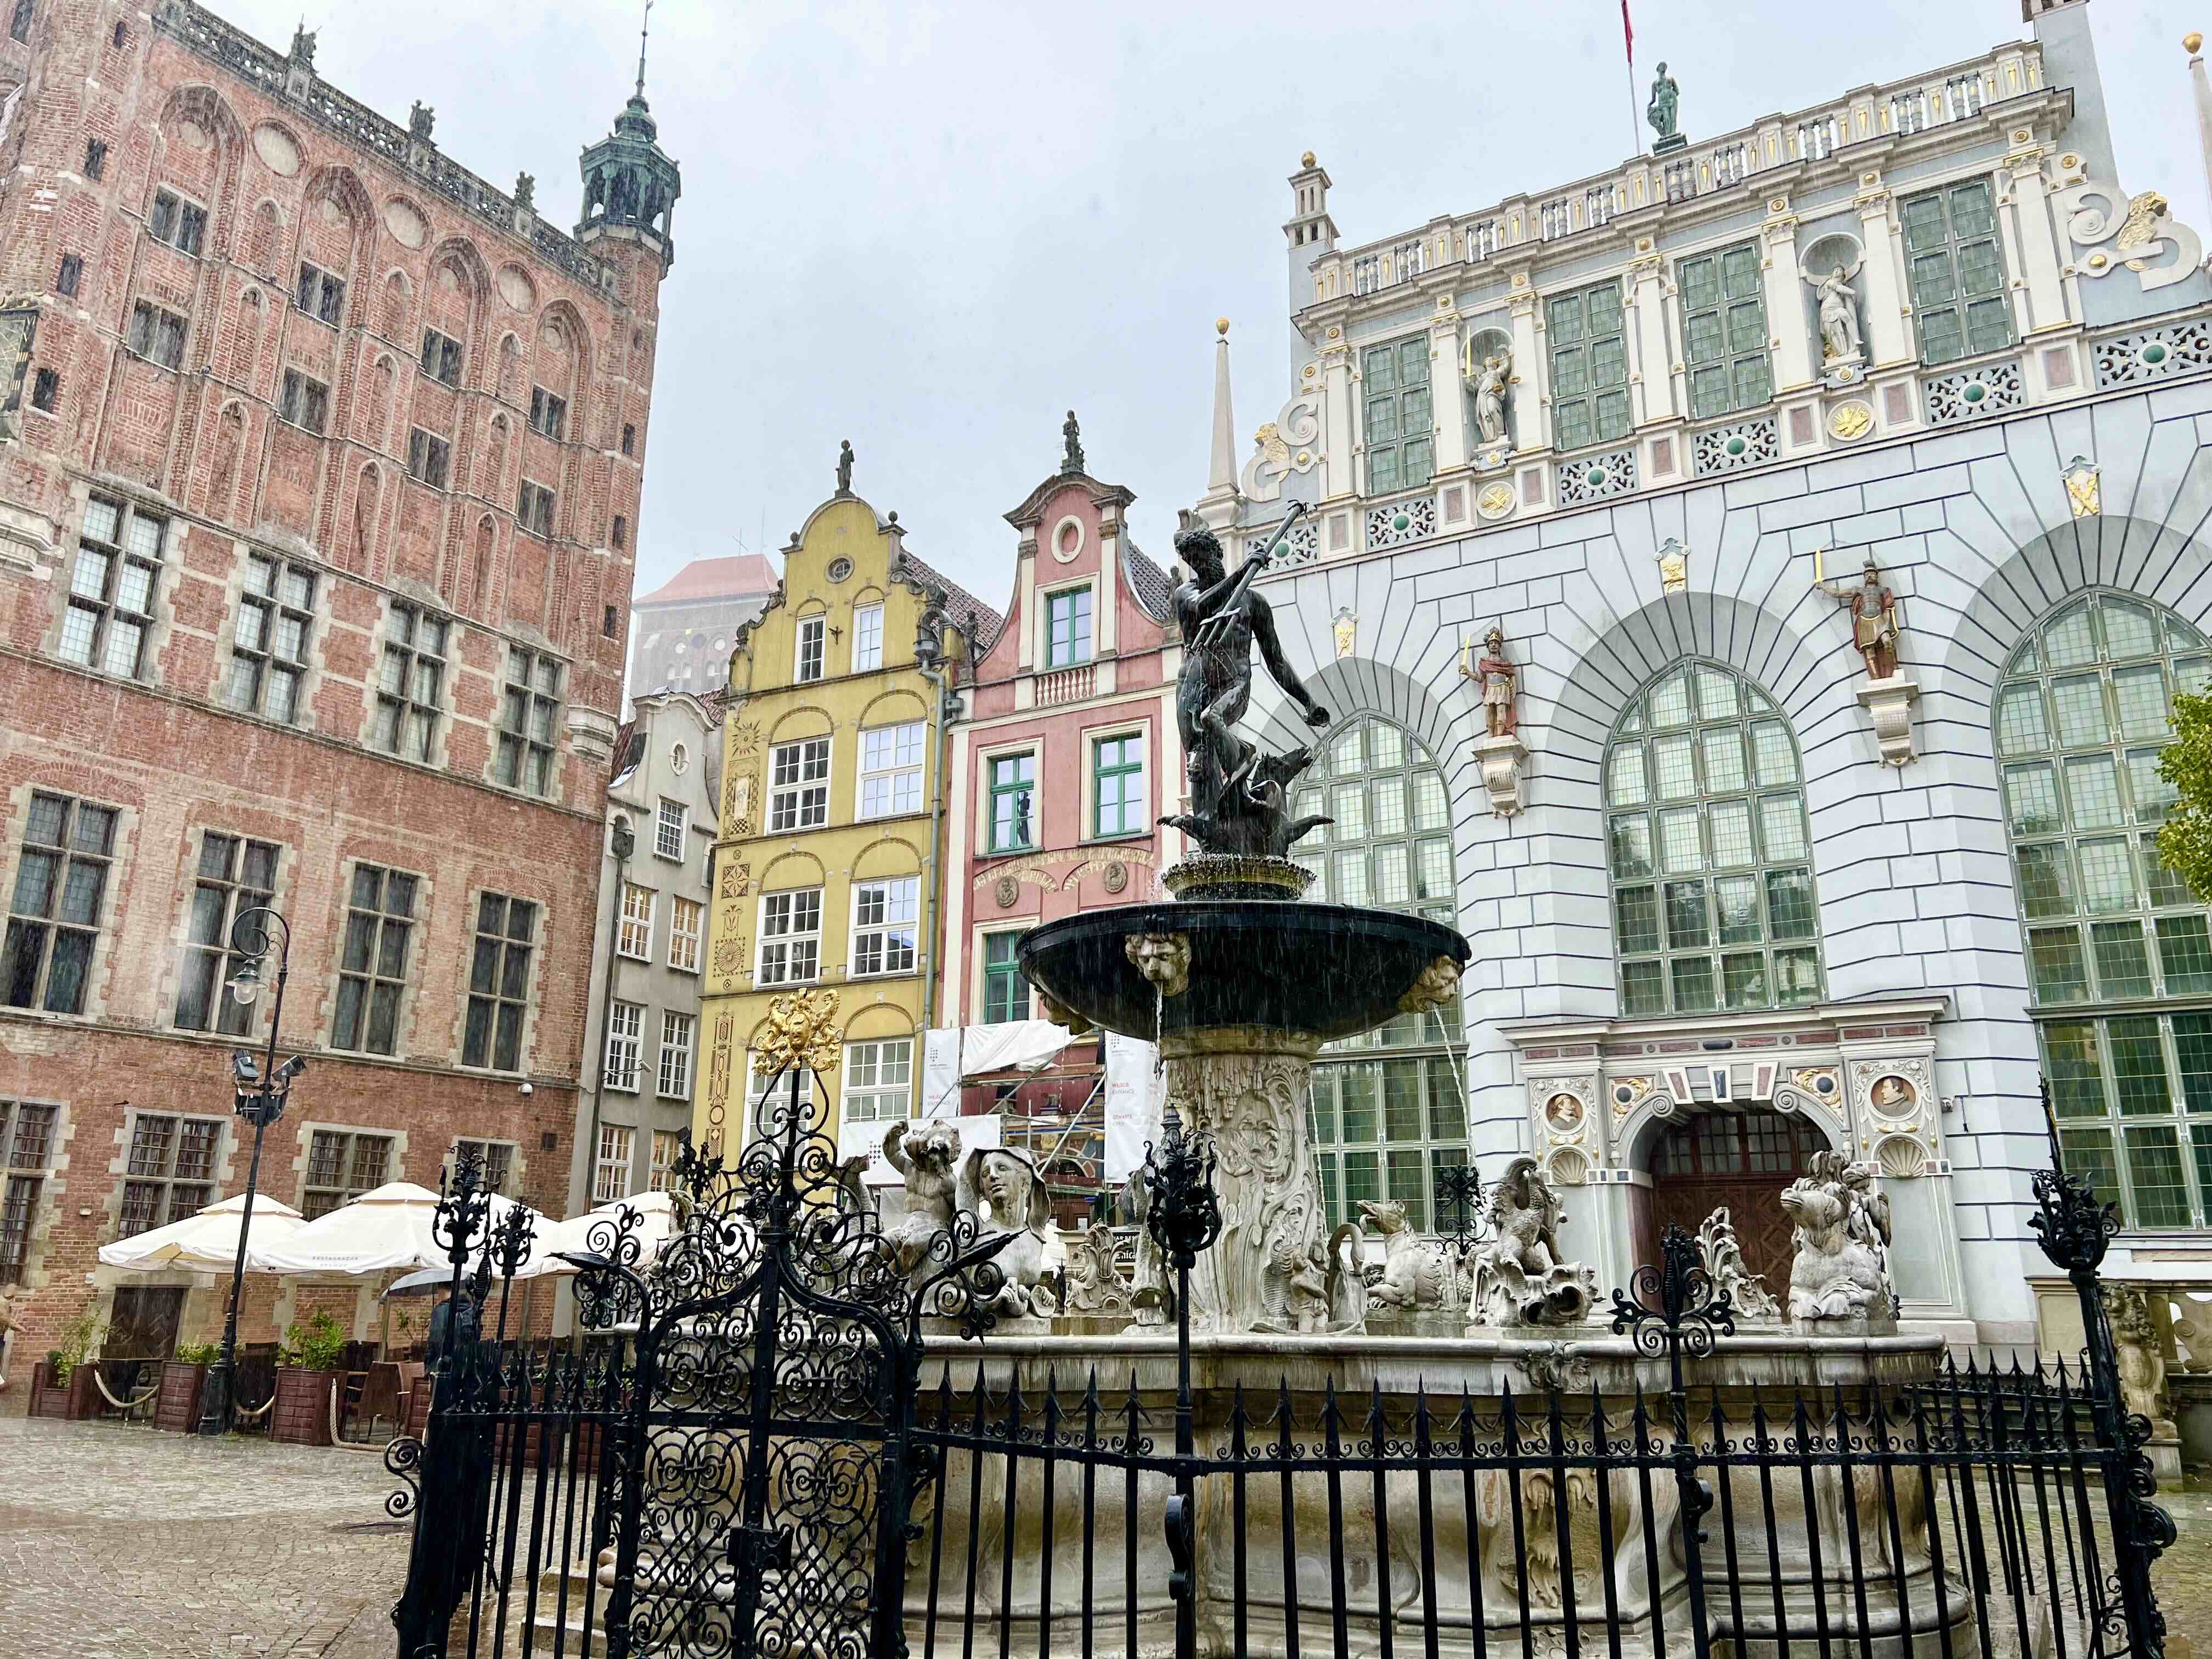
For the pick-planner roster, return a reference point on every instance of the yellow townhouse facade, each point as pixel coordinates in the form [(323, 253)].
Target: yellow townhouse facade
[(828, 870)]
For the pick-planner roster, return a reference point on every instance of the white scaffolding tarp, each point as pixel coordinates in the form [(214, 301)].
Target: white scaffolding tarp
[(865, 1140)]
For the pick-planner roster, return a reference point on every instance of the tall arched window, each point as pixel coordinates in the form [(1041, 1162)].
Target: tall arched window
[(2119, 959), (1712, 881), (1389, 1109)]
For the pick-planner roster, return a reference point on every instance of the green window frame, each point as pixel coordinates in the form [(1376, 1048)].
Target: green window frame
[(1955, 268), (1389, 1106), (1589, 366), (1117, 784), (1724, 332), (1400, 425), (1012, 791), (2119, 952), (1005, 992), (1067, 628), (1711, 855)]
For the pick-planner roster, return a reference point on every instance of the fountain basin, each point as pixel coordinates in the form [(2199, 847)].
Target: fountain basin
[(1323, 970)]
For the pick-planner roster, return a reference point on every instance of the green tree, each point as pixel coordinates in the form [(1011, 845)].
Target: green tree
[(2185, 843)]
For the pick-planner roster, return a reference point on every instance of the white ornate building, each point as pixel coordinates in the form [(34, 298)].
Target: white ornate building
[(1734, 892)]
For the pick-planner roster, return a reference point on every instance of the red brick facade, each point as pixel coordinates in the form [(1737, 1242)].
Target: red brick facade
[(217, 467)]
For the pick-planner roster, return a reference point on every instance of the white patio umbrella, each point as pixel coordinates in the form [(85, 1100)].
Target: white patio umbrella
[(383, 1230), (656, 1214), (207, 1240)]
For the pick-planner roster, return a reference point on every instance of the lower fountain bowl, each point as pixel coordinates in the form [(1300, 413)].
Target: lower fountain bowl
[(1328, 970)]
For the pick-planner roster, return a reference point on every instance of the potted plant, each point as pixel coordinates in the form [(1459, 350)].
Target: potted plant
[(307, 1369), (63, 1385), (177, 1406)]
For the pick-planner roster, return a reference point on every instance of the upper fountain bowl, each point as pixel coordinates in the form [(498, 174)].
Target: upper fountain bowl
[(1326, 969)]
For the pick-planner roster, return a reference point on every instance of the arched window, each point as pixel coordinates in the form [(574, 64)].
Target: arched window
[(1712, 881), (2119, 960), (1387, 1106)]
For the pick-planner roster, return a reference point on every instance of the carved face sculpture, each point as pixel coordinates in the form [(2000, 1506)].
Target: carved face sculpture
[(1564, 1113), (1892, 1095), (1163, 959), (1010, 1184)]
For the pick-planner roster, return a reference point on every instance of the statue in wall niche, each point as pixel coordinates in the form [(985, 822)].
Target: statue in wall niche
[(1875, 623), (1417, 1274), (1004, 1190), (1723, 1257), (2142, 1355), (1095, 1284), (926, 1155), (1236, 803), (1490, 394), (1519, 1278), (1840, 340), (1841, 1234)]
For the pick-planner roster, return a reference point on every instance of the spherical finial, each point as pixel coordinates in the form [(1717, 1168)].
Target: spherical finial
[(2191, 41), (1221, 326), (1306, 160)]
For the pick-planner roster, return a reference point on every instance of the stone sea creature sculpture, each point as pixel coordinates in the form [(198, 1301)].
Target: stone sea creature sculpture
[(1519, 1277), (1349, 1292), (1417, 1274), (1841, 1232), (1723, 1257)]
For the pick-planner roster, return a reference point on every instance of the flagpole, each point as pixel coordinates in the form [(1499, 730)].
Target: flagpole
[(1628, 41)]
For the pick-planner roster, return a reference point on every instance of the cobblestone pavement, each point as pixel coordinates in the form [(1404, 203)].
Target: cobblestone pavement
[(2183, 1576), (125, 1544)]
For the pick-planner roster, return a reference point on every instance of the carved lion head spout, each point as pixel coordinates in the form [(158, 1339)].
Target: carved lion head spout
[(1433, 989), (1163, 959)]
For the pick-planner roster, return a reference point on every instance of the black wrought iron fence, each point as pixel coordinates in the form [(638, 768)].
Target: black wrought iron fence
[(786, 1439)]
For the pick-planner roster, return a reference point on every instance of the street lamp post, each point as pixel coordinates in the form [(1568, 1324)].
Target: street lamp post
[(261, 1086)]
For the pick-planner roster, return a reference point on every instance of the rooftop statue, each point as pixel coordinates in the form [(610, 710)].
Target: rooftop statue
[(1236, 794), (1661, 111)]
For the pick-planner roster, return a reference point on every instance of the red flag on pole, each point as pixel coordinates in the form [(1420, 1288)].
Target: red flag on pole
[(1627, 31)]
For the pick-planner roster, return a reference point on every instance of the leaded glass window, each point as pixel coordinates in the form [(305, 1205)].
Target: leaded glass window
[(1388, 1108), (2119, 954), (1713, 906), (1589, 367), (1957, 272), (1724, 332), (1401, 445)]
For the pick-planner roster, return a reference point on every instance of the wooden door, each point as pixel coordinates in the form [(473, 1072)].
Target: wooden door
[(1739, 1160), (144, 1323)]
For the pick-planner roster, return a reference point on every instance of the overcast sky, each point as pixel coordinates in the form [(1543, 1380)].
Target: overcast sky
[(933, 228)]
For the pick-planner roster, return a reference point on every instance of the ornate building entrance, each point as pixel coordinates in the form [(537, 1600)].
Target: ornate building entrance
[(1740, 1159)]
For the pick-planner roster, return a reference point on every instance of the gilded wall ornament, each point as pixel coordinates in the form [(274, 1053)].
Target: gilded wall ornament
[(1673, 566), (1346, 629), (2085, 488), (1495, 501), (802, 1030), (1849, 421)]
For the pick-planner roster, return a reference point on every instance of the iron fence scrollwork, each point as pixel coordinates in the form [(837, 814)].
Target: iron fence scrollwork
[(741, 1455)]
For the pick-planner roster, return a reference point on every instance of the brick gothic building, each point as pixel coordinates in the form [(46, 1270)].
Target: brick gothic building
[(318, 488)]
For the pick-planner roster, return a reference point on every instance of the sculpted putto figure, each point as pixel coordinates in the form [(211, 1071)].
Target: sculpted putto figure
[(1519, 1278), (1841, 1270), (925, 1156)]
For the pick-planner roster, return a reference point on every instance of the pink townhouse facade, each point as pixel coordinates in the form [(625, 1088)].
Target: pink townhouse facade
[(1063, 763)]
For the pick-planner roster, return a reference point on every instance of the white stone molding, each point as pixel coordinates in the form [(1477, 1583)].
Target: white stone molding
[(1889, 702), (1501, 758)]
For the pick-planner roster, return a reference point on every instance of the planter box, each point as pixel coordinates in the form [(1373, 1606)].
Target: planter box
[(301, 1415), (73, 1400), (177, 1408)]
